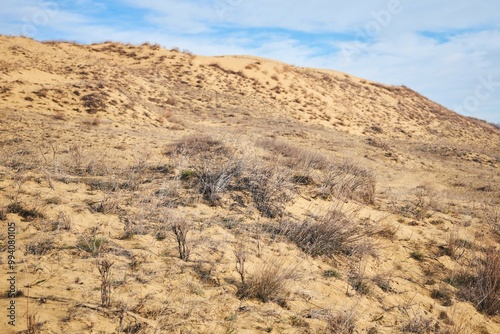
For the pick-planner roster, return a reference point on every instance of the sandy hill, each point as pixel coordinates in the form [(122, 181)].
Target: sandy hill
[(156, 191)]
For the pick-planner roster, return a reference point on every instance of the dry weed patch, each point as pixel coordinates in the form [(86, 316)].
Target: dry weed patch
[(270, 282), (339, 231)]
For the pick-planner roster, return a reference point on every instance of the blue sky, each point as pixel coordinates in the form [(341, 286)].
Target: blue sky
[(446, 50)]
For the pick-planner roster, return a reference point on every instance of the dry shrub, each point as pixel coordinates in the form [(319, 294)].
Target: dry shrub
[(104, 267), (348, 181), (343, 322), (198, 145), (94, 102), (181, 229), (338, 231), (419, 323), (279, 147), (213, 177), (270, 282), (270, 188), (40, 246), (480, 283), (212, 165)]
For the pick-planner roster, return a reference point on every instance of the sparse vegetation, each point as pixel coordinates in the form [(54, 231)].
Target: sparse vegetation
[(92, 244), (342, 322), (94, 102), (270, 282), (27, 214), (347, 181), (480, 283), (149, 191), (337, 232)]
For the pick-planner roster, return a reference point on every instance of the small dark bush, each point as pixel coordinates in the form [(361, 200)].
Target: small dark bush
[(40, 247), (417, 255), (27, 214), (331, 273), (94, 102)]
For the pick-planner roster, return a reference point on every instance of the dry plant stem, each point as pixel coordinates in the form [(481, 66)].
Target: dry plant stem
[(181, 230), (241, 257), (104, 267)]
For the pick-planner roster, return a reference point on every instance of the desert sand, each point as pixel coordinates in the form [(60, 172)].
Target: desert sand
[(156, 191)]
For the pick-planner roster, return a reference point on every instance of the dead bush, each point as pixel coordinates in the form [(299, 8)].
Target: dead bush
[(94, 102), (338, 231), (270, 282), (343, 322), (419, 323), (197, 145), (39, 246), (213, 176), (480, 283), (104, 267), (270, 187), (348, 181), (181, 229)]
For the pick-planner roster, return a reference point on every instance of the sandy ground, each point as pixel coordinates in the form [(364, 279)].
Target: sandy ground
[(85, 134)]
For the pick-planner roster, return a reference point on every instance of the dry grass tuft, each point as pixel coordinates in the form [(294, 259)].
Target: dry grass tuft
[(270, 188), (479, 282), (339, 231), (348, 181), (270, 282), (343, 322)]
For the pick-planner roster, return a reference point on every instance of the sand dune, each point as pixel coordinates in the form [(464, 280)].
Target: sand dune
[(312, 201)]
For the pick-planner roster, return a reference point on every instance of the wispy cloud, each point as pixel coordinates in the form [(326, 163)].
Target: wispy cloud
[(441, 49)]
